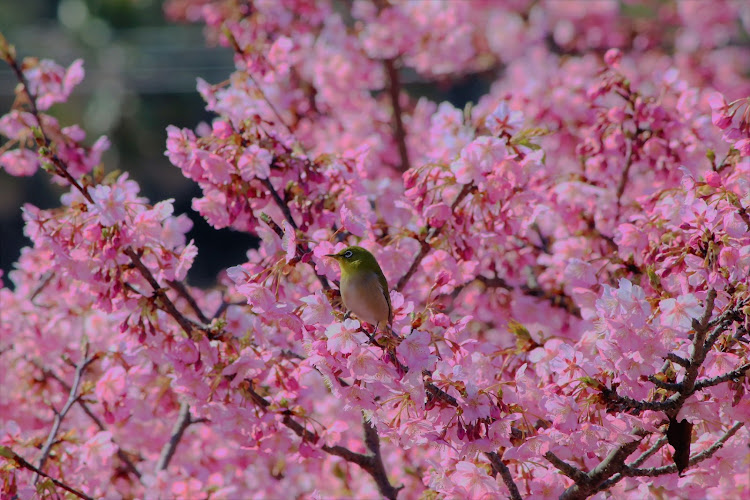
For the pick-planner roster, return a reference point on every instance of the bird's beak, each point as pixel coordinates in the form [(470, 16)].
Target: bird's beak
[(332, 255)]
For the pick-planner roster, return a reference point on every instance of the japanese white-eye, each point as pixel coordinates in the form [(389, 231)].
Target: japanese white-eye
[(364, 288)]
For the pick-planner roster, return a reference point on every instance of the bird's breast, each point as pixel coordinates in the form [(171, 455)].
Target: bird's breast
[(364, 297)]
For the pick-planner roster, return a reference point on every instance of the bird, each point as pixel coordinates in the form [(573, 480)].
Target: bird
[(363, 286)]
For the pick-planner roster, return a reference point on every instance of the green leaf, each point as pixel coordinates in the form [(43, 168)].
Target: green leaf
[(6, 452)]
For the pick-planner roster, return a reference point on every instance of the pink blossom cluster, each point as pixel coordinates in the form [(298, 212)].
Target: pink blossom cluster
[(568, 262)]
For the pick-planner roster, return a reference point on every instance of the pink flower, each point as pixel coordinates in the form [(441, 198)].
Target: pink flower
[(109, 204), (111, 386), (613, 57), (679, 313), (475, 405), (352, 222), (318, 310), (720, 111), (51, 83), (99, 449), (503, 119), (478, 159), (19, 162), (289, 241), (415, 350), (476, 483), (345, 337), (255, 162)]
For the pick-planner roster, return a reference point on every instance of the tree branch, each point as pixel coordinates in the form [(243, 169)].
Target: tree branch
[(42, 140), (394, 90), (695, 459), (502, 469), (72, 398), (572, 472), (167, 452), (163, 301), (619, 476), (120, 453), (608, 467), (710, 382), (378, 473), (12, 455), (182, 291), (372, 464)]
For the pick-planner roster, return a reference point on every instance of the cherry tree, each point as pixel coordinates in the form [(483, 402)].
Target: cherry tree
[(568, 261)]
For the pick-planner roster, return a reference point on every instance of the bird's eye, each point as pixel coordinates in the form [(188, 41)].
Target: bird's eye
[(348, 254)]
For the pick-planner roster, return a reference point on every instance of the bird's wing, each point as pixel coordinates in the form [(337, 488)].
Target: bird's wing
[(384, 288)]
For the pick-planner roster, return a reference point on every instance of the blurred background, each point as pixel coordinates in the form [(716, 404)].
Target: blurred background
[(140, 77)]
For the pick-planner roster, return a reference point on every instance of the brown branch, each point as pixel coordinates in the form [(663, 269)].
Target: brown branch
[(167, 452), (613, 463), (704, 455), (280, 202), (677, 359), (658, 444), (372, 464), (162, 300), (710, 382), (7, 452), (572, 472), (43, 141), (72, 398), (701, 327), (669, 386), (378, 473), (624, 177), (120, 453), (502, 469), (394, 90), (183, 292)]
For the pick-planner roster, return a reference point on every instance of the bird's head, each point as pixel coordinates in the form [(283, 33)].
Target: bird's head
[(355, 258)]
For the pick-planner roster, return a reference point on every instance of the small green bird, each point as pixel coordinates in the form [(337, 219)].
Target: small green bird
[(364, 288)]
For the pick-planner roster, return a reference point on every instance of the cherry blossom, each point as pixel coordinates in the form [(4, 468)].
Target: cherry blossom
[(568, 261)]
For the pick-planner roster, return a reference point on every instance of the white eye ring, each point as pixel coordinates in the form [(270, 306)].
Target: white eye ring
[(348, 254)]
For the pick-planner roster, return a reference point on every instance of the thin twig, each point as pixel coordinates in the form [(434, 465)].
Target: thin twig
[(162, 300), (394, 90), (120, 453), (368, 463), (183, 292), (26, 465), (60, 168), (167, 452), (280, 202), (695, 459), (658, 444), (710, 382), (502, 469), (72, 397)]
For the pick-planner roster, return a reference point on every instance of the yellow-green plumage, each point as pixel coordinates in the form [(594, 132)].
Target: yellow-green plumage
[(364, 288)]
